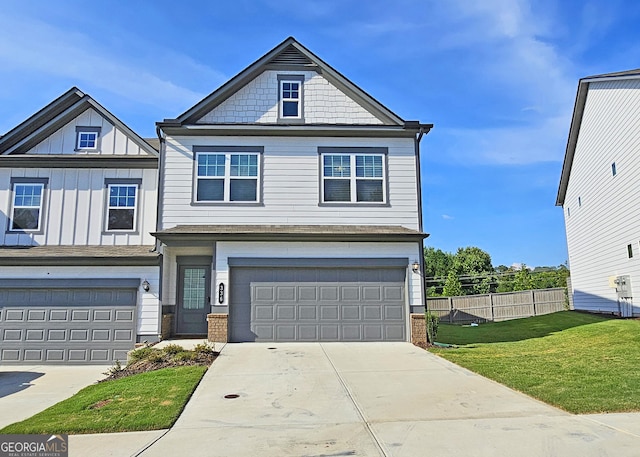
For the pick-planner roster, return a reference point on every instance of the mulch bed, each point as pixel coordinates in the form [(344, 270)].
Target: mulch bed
[(143, 366)]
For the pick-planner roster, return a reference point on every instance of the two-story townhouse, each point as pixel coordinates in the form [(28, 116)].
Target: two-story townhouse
[(597, 191), (79, 278), (290, 209)]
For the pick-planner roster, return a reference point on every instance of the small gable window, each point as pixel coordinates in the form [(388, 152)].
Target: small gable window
[(613, 169), (28, 199), (87, 138), (290, 96)]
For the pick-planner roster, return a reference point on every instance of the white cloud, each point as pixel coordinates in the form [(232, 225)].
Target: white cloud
[(446, 217), (47, 50)]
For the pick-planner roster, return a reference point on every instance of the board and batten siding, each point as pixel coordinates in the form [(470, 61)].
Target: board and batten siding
[(147, 308), (295, 250), (608, 216), (257, 102), (112, 140), (75, 207), (291, 184)]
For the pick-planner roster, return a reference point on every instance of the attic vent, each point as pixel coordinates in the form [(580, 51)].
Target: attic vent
[(291, 56)]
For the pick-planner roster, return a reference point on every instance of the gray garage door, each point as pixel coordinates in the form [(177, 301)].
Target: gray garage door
[(54, 323), (317, 304)]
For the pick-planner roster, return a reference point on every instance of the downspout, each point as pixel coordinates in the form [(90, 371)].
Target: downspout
[(423, 288), (161, 153)]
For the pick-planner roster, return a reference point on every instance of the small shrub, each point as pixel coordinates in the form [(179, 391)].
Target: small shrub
[(156, 356), (432, 326), (140, 354), (204, 348), (115, 369), (173, 349), (185, 356)]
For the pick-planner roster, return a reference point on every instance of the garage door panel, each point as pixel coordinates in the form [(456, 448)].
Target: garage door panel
[(59, 325), (370, 306)]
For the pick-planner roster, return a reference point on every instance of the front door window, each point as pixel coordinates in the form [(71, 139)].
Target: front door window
[(193, 300)]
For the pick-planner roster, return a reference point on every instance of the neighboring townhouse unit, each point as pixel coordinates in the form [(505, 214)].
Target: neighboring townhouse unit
[(597, 191), (290, 209), (78, 200)]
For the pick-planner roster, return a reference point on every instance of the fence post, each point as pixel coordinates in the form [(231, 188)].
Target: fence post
[(491, 304), (533, 302), (450, 310)]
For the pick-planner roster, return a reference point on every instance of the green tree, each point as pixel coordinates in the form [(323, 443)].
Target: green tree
[(437, 264), (523, 279), (452, 286), (474, 265)]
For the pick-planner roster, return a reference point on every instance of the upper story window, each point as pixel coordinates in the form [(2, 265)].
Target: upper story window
[(353, 177), (122, 202), (27, 207), (87, 138), (290, 96), (227, 174)]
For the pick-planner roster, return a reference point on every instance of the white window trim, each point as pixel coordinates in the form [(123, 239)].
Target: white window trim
[(95, 141), (88, 130), (227, 177), (353, 178), (38, 183), (134, 207), (297, 100)]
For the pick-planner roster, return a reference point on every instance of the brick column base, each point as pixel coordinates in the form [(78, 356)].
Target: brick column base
[(217, 327), (167, 325), (418, 329)]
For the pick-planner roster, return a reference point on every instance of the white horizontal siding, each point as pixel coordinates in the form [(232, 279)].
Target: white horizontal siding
[(291, 185), (112, 140), (608, 219), (75, 207), (257, 102), (148, 306)]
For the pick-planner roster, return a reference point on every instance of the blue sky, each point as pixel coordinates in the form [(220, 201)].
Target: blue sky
[(496, 77)]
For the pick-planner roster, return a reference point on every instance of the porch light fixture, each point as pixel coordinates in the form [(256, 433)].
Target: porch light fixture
[(146, 286), (415, 266)]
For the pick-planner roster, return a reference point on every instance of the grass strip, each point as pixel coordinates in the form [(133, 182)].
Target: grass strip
[(578, 362), (146, 401)]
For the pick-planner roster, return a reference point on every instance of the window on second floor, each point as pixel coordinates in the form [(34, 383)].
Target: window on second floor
[(27, 204), (353, 177), (88, 138), (227, 176), (122, 202)]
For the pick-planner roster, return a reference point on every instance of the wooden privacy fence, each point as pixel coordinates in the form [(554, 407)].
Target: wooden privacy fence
[(498, 307)]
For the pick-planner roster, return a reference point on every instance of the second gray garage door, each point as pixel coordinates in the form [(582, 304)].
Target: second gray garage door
[(67, 321), (317, 304)]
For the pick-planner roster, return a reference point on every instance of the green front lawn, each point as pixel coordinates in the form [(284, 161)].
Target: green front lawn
[(146, 401), (578, 362)]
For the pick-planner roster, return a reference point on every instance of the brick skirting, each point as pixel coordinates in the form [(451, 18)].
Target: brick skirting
[(217, 327), (418, 329), (167, 326)]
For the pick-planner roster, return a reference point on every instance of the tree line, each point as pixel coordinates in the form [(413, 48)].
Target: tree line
[(470, 272)]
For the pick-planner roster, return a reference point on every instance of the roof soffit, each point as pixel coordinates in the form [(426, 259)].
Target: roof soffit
[(289, 55)]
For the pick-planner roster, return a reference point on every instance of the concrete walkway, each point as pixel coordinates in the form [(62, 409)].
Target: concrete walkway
[(391, 399)]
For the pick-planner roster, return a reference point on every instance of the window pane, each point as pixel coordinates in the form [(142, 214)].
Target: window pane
[(25, 219), (87, 140), (243, 190), (337, 166), (27, 195), (120, 219), (210, 190), (337, 190), (122, 196), (194, 288), (369, 190), (369, 166), (210, 164), (290, 109), (244, 165)]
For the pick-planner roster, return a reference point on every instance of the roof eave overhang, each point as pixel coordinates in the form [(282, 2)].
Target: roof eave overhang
[(80, 261), (178, 239), (407, 130)]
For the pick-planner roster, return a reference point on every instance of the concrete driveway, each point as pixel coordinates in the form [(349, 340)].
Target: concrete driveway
[(28, 389), (369, 399)]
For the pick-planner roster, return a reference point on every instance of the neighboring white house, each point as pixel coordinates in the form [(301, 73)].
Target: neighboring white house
[(598, 188), (290, 209), (78, 200)]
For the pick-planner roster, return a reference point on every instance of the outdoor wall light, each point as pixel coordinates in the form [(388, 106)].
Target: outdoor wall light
[(415, 266), (146, 286)]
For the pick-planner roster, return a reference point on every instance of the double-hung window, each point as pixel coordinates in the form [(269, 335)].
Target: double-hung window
[(122, 199), (290, 97), (87, 138), (27, 208), (231, 175), (353, 177)]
